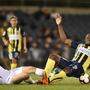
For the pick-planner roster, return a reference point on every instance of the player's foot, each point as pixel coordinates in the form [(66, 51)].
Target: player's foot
[(30, 82), (44, 80)]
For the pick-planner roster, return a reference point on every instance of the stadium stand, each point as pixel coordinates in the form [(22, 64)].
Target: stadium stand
[(41, 29)]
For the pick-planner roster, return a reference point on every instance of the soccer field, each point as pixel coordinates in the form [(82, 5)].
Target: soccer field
[(65, 84)]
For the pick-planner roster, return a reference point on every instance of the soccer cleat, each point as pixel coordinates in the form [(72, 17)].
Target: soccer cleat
[(44, 80)]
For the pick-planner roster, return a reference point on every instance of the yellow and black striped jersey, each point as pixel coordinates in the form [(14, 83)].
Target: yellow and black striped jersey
[(82, 55), (14, 35)]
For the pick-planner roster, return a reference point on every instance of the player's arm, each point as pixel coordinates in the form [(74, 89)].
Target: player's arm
[(61, 32), (24, 42), (62, 35), (3, 35), (5, 41)]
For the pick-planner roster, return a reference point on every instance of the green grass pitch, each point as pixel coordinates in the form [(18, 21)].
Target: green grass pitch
[(65, 84)]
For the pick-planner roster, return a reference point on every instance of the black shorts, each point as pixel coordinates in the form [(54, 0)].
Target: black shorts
[(14, 54)]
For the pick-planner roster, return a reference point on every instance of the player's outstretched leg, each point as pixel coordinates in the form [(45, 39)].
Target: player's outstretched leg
[(52, 62), (22, 73)]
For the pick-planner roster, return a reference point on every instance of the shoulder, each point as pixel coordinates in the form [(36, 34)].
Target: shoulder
[(81, 45), (9, 28)]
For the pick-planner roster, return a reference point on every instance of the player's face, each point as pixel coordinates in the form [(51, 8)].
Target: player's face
[(87, 39), (13, 22)]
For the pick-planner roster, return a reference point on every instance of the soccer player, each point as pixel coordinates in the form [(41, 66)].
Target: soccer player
[(17, 75), (14, 38), (71, 68)]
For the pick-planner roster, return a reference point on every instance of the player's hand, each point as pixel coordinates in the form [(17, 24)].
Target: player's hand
[(58, 19), (2, 32), (25, 50)]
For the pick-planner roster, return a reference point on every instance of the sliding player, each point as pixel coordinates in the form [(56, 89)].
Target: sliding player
[(17, 75), (72, 68)]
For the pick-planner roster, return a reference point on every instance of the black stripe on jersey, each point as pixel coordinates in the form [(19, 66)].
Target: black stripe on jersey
[(17, 45), (13, 40), (14, 44), (84, 59), (79, 56), (86, 46)]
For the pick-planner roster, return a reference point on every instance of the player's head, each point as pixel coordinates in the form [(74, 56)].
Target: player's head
[(12, 19), (87, 39)]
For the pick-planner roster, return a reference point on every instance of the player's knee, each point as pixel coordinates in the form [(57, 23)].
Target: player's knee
[(14, 61), (55, 57)]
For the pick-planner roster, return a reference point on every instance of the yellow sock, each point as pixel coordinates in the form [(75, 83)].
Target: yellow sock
[(61, 74), (49, 66), (13, 65)]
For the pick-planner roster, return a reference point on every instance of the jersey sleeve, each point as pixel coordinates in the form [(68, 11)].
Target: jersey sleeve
[(23, 32), (74, 44)]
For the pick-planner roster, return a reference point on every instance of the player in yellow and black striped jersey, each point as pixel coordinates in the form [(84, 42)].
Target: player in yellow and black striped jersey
[(71, 68), (15, 38), (61, 67), (82, 55)]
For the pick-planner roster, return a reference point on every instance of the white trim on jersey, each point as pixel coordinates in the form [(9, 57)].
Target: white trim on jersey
[(84, 50), (81, 52), (13, 37)]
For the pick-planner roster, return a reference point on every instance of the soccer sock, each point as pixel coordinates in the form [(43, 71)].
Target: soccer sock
[(49, 66), (39, 72), (13, 65), (61, 74)]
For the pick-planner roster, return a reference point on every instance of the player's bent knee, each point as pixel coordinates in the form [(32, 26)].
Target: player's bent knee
[(55, 57)]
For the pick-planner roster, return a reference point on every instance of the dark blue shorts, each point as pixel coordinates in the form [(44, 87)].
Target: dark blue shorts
[(5, 53), (74, 69)]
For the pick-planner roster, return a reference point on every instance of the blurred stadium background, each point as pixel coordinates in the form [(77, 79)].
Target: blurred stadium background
[(36, 16)]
